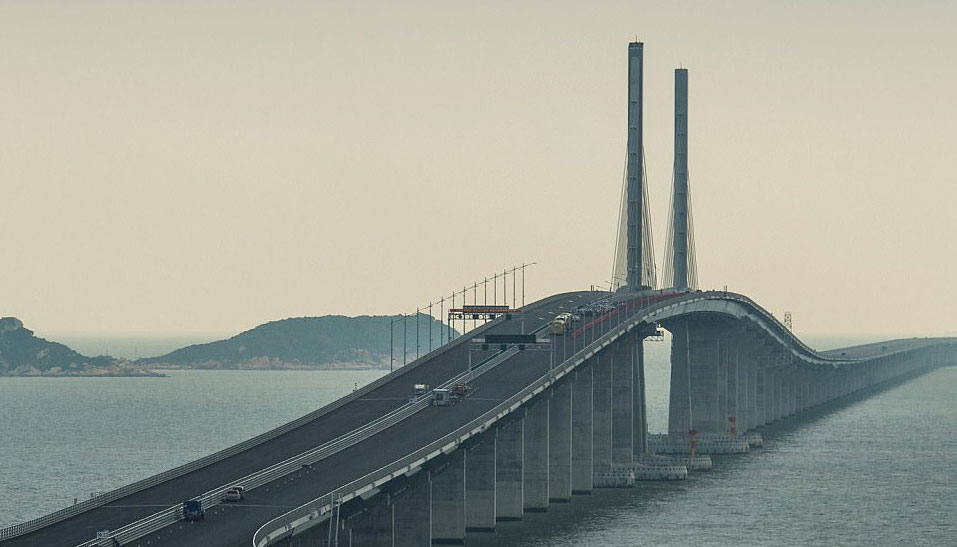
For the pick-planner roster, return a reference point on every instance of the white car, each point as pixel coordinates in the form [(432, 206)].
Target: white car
[(236, 493)]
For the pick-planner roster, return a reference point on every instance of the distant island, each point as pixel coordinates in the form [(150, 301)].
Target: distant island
[(328, 342), (301, 343), (22, 353)]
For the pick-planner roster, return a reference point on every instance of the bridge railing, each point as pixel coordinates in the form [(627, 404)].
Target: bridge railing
[(123, 491), (321, 507), (170, 515)]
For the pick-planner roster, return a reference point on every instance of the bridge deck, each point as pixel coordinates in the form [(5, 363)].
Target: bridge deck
[(236, 524)]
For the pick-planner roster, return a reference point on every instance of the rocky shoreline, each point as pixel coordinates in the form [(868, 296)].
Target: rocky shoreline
[(123, 369)]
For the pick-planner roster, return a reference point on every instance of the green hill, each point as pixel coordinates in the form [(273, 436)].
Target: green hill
[(21, 352), (310, 341)]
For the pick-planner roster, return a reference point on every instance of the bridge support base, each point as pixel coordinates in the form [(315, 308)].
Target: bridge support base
[(448, 501)]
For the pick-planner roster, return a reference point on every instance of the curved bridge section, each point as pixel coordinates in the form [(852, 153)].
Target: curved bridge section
[(581, 425), (538, 427)]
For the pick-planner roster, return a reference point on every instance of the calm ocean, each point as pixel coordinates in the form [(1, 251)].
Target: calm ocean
[(879, 471)]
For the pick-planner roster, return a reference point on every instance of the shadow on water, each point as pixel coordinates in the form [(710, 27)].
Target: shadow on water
[(589, 515)]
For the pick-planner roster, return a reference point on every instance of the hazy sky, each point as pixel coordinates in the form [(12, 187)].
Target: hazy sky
[(208, 166)]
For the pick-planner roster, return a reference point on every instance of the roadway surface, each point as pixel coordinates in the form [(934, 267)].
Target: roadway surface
[(235, 524), (890, 346)]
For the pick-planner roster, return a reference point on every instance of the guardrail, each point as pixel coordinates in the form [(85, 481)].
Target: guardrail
[(123, 491), (322, 506), (170, 515)]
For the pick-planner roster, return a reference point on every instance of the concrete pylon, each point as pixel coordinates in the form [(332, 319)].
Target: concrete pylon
[(412, 512), (680, 263), (480, 483), (372, 525), (602, 384), (535, 489), (560, 443), (448, 501), (635, 169), (640, 432), (509, 469), (623, 404), (582, 431), (698, 386)]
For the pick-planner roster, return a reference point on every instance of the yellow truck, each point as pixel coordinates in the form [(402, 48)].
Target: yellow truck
[(561, 323)]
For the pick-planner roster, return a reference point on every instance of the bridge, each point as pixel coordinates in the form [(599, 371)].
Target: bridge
[(553, 406)]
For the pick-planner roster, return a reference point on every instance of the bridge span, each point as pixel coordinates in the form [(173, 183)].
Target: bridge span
[(538, 427), (542, 422)]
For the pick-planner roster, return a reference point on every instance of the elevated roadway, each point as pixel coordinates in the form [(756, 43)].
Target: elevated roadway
[(235, 524)]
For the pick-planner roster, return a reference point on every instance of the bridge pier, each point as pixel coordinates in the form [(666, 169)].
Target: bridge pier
[(480, 479), (509, 469), (761, 391), (372, 525), (737, 384), (582, 431), (535, 496), (412, 512), (698, 384), (448, 501), (623, 360), (602, 419), (560, 443), (721, 381), (640, 422), (750, 351)]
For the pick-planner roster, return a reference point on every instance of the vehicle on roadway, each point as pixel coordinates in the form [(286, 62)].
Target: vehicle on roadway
[(561, 323), (442, 397), (236, 493), (193, 510)]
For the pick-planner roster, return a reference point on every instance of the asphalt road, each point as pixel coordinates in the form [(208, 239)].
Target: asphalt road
[(234, 524)]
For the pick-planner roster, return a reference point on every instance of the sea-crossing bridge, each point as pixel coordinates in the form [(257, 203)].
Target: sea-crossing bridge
[(540, 422)]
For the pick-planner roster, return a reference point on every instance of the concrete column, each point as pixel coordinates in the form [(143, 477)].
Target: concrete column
[(536, 456), (746, 353), (735, 389), (779, 393), (761, 392), (772, 393), (448, 501), (797, 387), (480, 480), (640, 434), (412, 512), (721, 383), (803, 394), (509, 470), (582, 431), (753, 365), (786, 384), (560, 443), (679, 405), (372, 526), (706, 391), (602, 410), (622, 404)]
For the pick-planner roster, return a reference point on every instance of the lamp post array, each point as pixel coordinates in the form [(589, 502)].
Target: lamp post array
[(447, 333)]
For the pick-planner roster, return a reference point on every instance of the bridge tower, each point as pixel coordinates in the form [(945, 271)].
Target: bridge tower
[(634, 257), (681, 270)]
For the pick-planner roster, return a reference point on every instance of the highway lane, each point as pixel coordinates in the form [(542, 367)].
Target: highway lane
[(235, 526), (888, 346), (354, 414)]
